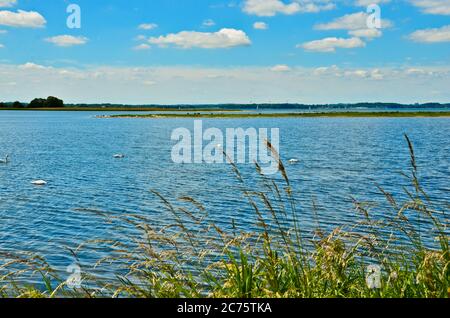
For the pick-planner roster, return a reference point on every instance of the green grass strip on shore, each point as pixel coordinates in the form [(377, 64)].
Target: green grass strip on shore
[(284, 115)]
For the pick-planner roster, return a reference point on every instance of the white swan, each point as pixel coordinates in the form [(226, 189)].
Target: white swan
[(5, 161), (39, 182)]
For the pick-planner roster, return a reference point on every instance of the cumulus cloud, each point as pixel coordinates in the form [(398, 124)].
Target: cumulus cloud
[(353, 21), (431, 35), (67, 40), (371, 74), (7, 3), (260, 26), (147, 26), (22, 19), (280, 68), (145, 85), (365, 3), (31, 66), (416, 71), (225, 38), (440, 7), (356, 25), (329, 45), (314, 6), (326, 70), (269, 8), (366, 33)]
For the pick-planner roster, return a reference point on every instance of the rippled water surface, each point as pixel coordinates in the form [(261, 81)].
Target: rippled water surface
[(340, 158)]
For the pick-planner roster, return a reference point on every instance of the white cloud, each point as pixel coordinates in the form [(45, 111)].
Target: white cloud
[(415, 71), (327, 70), (356, 25), (142, 47), (67, 40), (365, 3), (31, 66), (260, 26), (357, 73), (329, 45), (208, 23), (314, 6), (7, 3), (144, 85), (269, 8), (280, 68), (22, 19), (353, 21), (376, 74), (1, 46), (366, 33), (147, 26), (431, 35), (441, 7), (225, 38)]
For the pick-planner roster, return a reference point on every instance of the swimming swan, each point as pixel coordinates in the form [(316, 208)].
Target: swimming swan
[(39, 182), (5, 161)]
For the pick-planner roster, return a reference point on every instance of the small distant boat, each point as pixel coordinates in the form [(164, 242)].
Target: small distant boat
[(5, 160), (119, 156), (39, 182), (293, 161)]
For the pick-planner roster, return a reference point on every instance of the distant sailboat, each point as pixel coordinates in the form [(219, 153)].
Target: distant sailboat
[(293, 161), (119, 156)]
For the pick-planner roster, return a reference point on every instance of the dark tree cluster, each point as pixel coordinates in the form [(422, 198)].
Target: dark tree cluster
[(12, 105), (50, 102)]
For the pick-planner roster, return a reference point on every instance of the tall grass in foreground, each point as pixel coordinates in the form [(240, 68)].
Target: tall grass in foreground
[(194, 257)]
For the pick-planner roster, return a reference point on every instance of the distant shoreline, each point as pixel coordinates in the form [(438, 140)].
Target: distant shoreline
[(287, 115), (40, 104), (121, 109)]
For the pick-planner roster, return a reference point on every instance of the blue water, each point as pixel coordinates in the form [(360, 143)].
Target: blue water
[(340, 158)]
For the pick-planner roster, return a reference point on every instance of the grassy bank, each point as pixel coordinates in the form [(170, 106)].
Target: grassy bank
[(195, 257), (285, 115)]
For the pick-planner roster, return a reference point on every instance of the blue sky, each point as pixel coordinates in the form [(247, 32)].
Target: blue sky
[(198, 51)]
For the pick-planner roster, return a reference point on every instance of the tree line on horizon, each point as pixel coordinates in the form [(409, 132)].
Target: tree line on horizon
[(54, 102), (49, 102)]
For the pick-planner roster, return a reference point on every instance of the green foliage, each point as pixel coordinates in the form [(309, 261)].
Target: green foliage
[(17, 104), (50, 102)]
